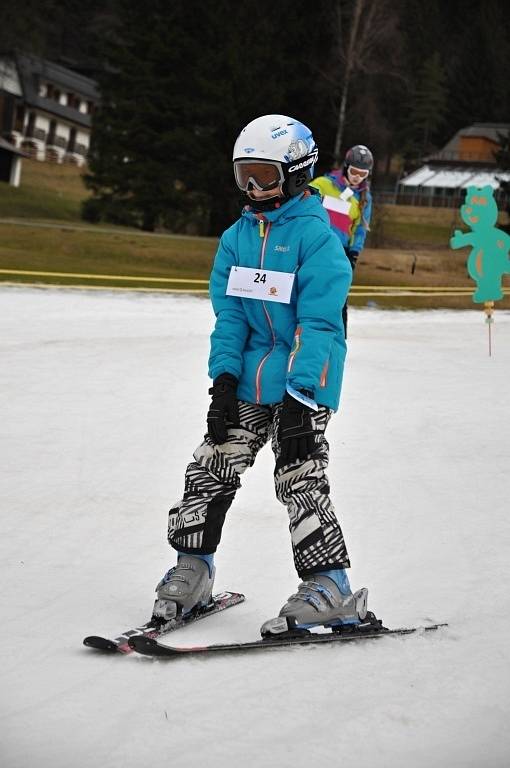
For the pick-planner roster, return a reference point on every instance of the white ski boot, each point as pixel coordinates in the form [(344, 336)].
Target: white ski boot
[(319, 602), (185, 588)]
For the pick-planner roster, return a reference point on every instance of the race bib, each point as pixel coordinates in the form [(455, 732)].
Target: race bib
[(261, 284), (336, 204)]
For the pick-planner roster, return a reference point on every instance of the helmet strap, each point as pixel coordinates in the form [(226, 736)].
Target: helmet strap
[(267, 203)]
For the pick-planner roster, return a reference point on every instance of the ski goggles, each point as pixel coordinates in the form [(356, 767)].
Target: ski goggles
[(357, 172), (262, 174)]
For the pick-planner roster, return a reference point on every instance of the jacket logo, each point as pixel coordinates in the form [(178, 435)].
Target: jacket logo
[(282, 248)]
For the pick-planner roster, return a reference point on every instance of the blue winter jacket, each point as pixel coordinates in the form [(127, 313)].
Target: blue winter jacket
[(269, 345)]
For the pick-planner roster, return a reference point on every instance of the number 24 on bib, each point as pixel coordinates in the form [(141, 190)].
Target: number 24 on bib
[(261, 284)]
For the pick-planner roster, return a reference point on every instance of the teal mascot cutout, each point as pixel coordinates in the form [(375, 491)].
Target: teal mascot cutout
[(488, 260)]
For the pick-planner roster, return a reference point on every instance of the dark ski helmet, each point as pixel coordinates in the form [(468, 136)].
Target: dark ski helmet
[(360, 157)]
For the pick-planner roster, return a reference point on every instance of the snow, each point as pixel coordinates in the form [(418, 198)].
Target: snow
[(104, 398)]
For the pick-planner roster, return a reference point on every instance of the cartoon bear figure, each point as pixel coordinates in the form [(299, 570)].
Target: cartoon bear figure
[(488, 260)]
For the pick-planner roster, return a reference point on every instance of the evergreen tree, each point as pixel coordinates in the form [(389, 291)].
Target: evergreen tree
[(503, 154), (478, 64), (179, 78), (16, 34), (428, 107), (142, 134), (173, 102)]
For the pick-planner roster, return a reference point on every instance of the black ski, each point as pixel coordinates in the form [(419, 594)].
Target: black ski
[(151, 630), (150, 647)]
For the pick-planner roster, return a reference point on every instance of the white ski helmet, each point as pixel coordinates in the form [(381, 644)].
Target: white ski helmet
[(275, 150)]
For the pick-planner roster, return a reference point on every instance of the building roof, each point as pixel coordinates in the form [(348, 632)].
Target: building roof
[(32, 70), (455, 178), (491, 131), (32, 66), (485, 130)]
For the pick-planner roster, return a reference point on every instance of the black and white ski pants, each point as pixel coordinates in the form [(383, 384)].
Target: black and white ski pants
[(212, 479)]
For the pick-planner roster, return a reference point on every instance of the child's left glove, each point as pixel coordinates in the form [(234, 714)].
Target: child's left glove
[(224, 408), (296, 430)]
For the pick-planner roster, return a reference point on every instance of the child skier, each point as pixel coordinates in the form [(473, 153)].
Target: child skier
[(279, 282), (346, 197)]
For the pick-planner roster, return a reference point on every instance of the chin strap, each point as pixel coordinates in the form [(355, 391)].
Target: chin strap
[(269, 204), (273, 203)]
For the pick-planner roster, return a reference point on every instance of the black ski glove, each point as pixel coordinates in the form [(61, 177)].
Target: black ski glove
[(224, 407), (352, 256), (296, 431)]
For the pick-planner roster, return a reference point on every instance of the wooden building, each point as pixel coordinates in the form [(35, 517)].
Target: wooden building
[(46, 109), (468, 159)]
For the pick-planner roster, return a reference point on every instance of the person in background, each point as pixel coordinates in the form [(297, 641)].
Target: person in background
[(347, 199)]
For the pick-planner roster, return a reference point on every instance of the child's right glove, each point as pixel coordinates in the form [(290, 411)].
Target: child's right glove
[(352, 256), (296, 431), (224, 407)]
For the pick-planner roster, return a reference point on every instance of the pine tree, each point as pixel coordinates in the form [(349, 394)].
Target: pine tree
[(428, 106), (174, 101), (503, 154), (142, 138)]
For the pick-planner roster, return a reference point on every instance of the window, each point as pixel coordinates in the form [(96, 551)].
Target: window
[(72, 140), (31, 125), (51, 133), (19, 118)]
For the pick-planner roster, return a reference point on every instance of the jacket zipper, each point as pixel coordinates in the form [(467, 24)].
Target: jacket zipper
[(264, 233)]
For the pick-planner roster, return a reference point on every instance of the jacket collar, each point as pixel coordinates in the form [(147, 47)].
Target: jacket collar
[(282, 212)]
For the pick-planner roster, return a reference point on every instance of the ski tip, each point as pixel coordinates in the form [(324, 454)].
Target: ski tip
[(100, 643), (146, 645)]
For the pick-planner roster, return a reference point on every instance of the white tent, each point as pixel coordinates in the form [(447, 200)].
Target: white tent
[(416, 178), (485, 178), (448, 178), (453, 178)]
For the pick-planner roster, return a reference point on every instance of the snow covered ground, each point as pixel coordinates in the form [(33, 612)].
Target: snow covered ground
[(103, 399)]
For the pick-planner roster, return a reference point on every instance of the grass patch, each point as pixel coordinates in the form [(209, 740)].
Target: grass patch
[(421, 227), (412, 245), (421, 234), (47, 191), (87, 251), (91, 251)]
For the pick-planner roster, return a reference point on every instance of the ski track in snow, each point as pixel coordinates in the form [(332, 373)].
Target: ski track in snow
[(104, 397)]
